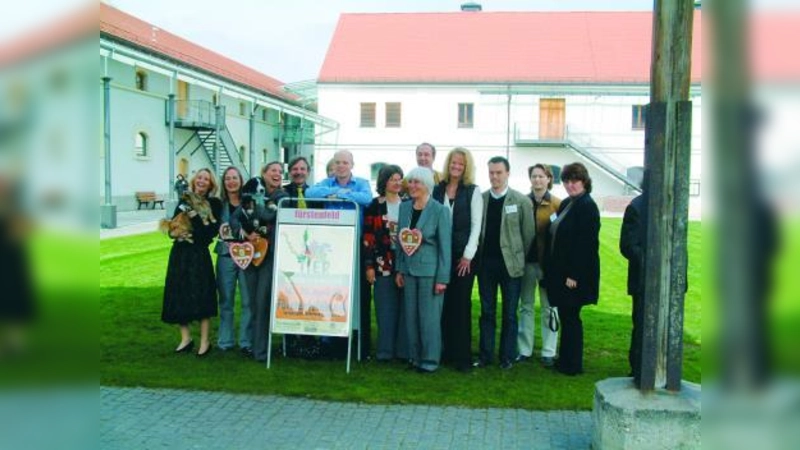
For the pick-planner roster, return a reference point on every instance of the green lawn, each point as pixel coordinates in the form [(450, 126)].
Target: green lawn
[(136, 348)]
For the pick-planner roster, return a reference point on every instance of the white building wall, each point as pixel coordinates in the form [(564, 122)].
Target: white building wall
[(599, 122), (134, 111)]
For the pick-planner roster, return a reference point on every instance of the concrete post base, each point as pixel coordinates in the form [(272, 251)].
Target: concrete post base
[(624, 418), (108, 216)]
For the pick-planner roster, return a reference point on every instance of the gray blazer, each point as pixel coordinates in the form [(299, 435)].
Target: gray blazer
[(432, 258)]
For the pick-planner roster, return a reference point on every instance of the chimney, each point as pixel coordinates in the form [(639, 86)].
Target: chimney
[(471, 7)]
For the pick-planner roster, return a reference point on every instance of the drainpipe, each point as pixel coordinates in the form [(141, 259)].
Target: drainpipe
[(252, 137), (171, 112), (108, 212), (508, 121), (217, 128)]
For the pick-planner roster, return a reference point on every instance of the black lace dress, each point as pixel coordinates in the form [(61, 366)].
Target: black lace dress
[(190, 289)]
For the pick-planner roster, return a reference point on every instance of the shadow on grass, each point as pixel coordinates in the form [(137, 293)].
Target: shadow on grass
[(136, 349)]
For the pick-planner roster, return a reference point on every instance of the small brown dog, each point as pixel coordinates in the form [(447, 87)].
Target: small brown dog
[(180, 226)]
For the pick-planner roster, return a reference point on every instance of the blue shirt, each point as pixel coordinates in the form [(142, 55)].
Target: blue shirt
[(356, 189)]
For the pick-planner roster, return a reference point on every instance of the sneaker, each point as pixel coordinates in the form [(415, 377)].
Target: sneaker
[(506, 365), (521, 358), (479, 364), (548, 361), (247, 352)]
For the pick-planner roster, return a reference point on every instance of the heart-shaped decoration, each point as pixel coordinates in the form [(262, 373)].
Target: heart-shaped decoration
[(260, 245), (242, 253), (225, 232), (410, 240)]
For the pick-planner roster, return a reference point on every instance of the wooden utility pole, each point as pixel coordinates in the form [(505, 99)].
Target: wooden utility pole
[(667, 158)]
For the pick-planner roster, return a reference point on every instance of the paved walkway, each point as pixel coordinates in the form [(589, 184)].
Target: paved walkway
[(134, 222), (139, 418)]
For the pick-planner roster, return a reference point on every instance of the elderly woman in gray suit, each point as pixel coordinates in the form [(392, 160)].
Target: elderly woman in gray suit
[(423, 268)]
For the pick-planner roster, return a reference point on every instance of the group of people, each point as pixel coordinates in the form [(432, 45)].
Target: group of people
[(425, 237)]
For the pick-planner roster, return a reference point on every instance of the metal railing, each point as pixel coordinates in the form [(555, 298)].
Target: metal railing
[(198, 113)]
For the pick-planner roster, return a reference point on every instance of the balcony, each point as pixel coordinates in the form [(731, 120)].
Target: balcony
[(195, 114)]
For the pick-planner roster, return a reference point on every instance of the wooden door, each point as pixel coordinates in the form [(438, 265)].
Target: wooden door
[(552, 118), (183, 96)]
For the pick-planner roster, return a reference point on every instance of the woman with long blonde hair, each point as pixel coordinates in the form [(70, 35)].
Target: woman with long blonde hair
[(190, 290)]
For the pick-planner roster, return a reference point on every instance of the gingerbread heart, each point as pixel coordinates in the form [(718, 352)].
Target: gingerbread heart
[(260, 245), (410, 240), (242, 253), (225, 232)]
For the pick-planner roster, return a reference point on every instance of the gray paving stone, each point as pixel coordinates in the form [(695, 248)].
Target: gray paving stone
[(135, 418)]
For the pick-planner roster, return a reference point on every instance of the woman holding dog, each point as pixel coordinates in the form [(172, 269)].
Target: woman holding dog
[(190, 290), (255, 219), (228, 273)]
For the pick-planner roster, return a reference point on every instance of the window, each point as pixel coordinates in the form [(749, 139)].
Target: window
[(141, 80), (264, 114), (242, 109), (368, 115), (264, 155), (214, 99), (556, 174), (465, 119), (375, 169), (141, 144), (694, 188), (637, 117), (393, 115), (242, 152)]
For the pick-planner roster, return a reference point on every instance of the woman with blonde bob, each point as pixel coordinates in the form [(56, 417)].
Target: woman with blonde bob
[(190, 290), (457, 191)]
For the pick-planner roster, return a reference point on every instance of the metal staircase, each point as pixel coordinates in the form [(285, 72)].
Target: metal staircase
[(201, 116), (587, 154)]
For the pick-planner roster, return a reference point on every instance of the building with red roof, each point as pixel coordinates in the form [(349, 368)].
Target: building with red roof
[(223, 112), (551, 87)]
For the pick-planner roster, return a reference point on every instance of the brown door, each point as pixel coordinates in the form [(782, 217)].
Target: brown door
[(552, 114)]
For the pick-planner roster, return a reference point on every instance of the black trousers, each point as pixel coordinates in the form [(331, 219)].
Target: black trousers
[(570, 350), (635, 350), (457, 321)]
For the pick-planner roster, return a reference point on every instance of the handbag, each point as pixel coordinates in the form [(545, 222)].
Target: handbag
[(552, 320)]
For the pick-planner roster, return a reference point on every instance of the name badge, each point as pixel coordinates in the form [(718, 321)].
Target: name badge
[(553, 217), (510, 209)]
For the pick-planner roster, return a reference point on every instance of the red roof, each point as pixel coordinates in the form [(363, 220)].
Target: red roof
[(137, 32), (526, 47)]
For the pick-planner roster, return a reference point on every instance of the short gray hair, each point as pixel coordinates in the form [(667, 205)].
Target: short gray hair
[(423, 174)]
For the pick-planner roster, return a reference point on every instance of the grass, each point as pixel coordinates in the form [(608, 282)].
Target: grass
[(136, 348)]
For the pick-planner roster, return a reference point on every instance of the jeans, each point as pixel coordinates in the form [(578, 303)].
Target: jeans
[(492, 275), (228, 275), (527, 315)]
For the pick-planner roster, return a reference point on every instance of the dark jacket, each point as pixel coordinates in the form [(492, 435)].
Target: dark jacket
[(575, 254), (541, 214), (264, 216), (631, 243), (378, 248)]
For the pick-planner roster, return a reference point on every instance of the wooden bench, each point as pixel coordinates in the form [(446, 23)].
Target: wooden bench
[(145, 198)]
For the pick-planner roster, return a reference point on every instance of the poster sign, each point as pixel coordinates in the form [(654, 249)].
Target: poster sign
[(313, 279)]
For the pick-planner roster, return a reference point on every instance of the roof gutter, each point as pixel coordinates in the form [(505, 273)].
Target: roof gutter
[(127, 55)]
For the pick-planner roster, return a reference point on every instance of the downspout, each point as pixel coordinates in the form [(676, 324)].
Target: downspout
[(252, 138), (108, 212), (217, 128), (508, 120), (171, 115), (107, 136)]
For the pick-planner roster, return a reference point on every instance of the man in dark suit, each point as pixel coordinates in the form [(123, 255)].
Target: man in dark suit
[(298, 172), (631, 245)]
